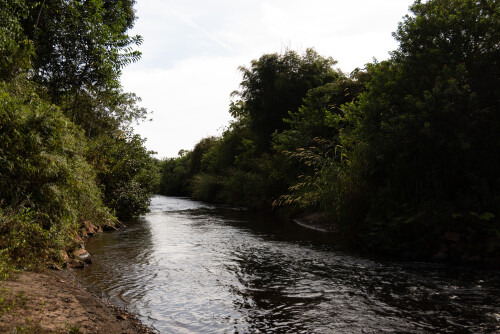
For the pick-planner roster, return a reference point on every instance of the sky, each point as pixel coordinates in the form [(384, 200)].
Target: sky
[(192, 50)]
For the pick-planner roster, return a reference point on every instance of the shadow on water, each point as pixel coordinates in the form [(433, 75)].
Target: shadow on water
[(189, 267)]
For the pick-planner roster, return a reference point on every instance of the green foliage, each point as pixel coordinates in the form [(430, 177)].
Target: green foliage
[(224, 170), (15, 50), (42, 159), (223, 153), (427, 116), (103, 112), (25, 242), (253, 187), (47, 187), (238, 168), (66, 148), (423, 138), (175, 176), (206, 187), (398, 155), (326, 185), (311, 120), (312, 147), (125, 171), (80, 46), (200, 149), (237, 187), (274, 85)]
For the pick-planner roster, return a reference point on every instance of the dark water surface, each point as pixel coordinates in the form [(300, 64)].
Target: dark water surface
[(188, 267)]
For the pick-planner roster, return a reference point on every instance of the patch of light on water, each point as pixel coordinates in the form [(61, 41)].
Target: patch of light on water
[(190, 267), (171, 204)]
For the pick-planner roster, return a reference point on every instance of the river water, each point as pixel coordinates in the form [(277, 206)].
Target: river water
[(189, 267)]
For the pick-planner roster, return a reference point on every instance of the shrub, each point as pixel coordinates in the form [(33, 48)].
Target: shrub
[(125, 170), (206, 187), (46, 185), (24, 240)]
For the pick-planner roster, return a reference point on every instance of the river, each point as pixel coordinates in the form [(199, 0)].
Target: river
[(189, 267)]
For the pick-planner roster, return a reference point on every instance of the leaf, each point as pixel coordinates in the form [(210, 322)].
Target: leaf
[(487, 216)]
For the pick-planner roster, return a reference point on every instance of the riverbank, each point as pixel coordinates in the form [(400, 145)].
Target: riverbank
[(315, 222), (450, 247), (54, 302)]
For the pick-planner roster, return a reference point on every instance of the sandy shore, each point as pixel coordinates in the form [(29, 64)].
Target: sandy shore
[(54, 302)]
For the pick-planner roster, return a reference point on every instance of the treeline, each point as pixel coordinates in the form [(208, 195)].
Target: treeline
[(402, 155), (67, 151)]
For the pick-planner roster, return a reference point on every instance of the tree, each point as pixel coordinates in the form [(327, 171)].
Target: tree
[(199, 150), (310, 146), (80, 49), (81, 46), (429, 115), (126, 172), (175, 177), (312, 119), (276, 84), (424, 142), (66, 147), (47, 188)]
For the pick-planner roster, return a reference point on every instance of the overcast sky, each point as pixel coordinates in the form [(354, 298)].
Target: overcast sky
[(192, 50)]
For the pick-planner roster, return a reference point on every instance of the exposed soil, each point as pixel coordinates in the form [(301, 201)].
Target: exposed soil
[(53, 302)]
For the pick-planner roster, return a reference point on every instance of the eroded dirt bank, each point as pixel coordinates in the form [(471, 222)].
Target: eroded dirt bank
[(54, 302)]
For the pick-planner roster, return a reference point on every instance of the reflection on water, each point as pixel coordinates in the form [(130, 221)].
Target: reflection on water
[(188, 267)]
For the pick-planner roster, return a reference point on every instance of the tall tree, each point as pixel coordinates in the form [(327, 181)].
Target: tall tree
[(81, 45), (276, 84), (311, 120), (424, 144), (430, 115)]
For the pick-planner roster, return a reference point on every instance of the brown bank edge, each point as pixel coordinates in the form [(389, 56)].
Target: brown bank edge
[(53, 301)]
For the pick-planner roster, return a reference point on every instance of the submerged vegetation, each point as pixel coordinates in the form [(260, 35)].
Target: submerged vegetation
[(402, 156), (67, 151)]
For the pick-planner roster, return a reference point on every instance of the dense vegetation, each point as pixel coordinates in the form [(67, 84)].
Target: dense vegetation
[(402, 155), (67, 151)]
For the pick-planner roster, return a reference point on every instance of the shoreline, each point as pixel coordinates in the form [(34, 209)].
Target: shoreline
[(451, 249), (52, 301), (311, 226), (315, 221)]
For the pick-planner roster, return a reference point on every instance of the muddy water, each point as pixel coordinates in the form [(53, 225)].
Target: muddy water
[(188, 267)]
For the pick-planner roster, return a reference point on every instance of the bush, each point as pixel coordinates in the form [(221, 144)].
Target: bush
[(46, 185), (175, 176), (25, 242), (206, 187), (125, 170)]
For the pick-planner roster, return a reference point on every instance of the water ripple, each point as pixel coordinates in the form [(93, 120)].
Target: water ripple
[(188, 267)]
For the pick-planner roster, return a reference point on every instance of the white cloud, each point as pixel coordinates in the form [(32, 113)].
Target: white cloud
[(192, 50)]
